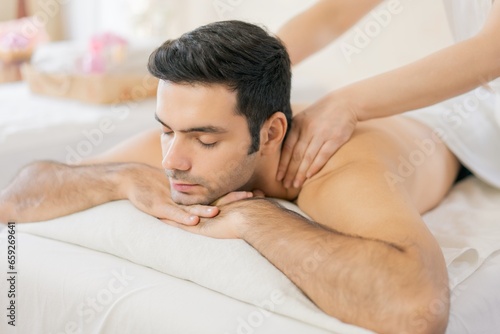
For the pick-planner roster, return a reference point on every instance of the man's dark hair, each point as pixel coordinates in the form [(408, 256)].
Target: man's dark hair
[(240, 55)]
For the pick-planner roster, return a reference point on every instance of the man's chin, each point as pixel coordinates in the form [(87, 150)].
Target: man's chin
[(186, 199)]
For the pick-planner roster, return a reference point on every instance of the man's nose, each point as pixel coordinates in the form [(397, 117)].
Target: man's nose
[(176, 156)]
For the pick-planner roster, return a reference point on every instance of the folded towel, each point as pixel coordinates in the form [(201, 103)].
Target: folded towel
[(467, 226)]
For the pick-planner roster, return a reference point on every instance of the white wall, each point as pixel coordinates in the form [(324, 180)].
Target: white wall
[(420, 28), (8, 10), (86, 17), (417, 29)]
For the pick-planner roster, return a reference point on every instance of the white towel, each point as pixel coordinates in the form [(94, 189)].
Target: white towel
[(467, 227), (469, 125)]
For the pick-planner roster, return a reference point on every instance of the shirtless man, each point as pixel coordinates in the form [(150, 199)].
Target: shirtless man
[(224, 111)]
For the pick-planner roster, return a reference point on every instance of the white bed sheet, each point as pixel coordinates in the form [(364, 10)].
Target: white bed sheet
[(58, 282)]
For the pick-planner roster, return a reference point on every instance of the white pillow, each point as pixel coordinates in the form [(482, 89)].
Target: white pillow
[(231, 267)]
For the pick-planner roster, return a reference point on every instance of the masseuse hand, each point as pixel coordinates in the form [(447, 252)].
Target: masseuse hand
[(316, 134)]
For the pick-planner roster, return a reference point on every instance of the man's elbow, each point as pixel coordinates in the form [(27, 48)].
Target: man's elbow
[(418, 315), (13, 197), (6, 207), (6, 214), (406, 296), (423, 301), (429, 313)]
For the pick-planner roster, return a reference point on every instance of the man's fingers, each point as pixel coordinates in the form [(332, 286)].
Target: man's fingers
[(233, 197), (258, 193), (204, 211), (171, 212), (175, 224), (286, 153)]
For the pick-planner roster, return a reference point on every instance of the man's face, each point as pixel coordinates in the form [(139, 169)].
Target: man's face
[(204, 143)]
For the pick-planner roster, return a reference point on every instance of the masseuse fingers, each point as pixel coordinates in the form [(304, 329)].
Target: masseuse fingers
[(297, 157), (309, 156), (324, 154)]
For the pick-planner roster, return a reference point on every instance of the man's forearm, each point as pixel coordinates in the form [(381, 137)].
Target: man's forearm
[(44, 190), (370, 283)]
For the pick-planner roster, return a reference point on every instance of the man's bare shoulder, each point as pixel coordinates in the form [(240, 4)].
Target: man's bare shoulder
[(362, 179), (382, 141), (144, 147)]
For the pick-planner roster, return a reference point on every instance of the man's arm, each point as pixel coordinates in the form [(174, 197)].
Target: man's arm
[(319, 25), (368, 282), (45, 190)]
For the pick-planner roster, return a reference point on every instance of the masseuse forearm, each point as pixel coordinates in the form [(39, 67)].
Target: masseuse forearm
[(370, 283), (44, 190), (445, 74), (316, 27)]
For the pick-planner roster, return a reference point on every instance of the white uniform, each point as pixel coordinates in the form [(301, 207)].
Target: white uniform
[(469, 124)]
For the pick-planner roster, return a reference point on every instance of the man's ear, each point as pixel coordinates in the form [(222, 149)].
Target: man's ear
[(272, 133)]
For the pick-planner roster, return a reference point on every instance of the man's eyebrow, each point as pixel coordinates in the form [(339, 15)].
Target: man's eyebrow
[(207, 128), (161, 122)]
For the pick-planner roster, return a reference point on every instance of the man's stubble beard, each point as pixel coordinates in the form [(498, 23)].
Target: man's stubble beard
[(237, 176)]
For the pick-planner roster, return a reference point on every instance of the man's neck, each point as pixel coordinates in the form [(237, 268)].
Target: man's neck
[(265, 179)]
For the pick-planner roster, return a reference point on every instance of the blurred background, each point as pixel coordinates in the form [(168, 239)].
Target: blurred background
[(418, 30)]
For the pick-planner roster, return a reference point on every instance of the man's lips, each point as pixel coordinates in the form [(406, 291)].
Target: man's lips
[(183, 187)]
